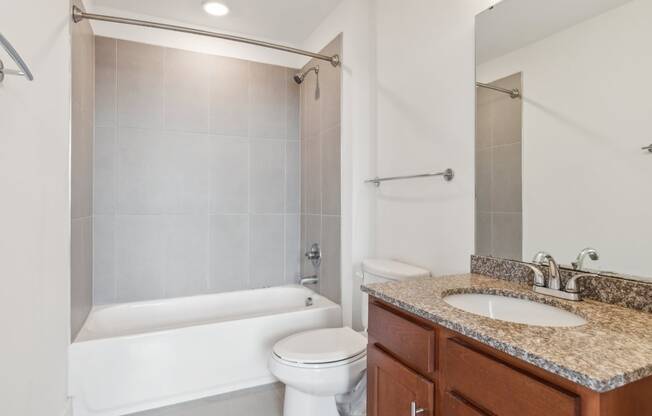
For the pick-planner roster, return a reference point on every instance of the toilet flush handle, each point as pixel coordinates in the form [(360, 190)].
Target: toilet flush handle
[(414, 411)]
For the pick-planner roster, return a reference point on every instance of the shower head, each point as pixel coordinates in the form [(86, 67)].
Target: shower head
[(299, 77)]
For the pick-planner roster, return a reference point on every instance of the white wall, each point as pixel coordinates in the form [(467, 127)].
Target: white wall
[(35, 220), (425, 122), (407, 106), (586, 180)]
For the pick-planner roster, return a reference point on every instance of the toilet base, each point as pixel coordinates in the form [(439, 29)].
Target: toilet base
[(298, 403)]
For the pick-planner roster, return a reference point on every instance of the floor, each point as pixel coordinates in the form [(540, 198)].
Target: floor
[(265, 400)]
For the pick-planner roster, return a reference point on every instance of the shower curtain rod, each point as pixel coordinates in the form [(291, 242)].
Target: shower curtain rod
[(515, 93), (78, 15)]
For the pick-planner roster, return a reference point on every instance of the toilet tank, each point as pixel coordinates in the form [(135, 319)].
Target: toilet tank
[(384, 270)]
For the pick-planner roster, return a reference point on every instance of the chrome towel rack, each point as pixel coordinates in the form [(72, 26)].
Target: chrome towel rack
[(448, 175), (514, 93), (24, 69)]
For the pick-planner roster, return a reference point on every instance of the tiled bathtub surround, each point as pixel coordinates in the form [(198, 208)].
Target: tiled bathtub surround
[(320, 170), (81, 167), (197, 185), (623, 292), (614, 348)]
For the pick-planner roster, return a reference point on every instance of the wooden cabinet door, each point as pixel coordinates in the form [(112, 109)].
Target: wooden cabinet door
[(392, 388)]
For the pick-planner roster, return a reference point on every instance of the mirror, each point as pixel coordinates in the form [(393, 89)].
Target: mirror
[(563, 113)]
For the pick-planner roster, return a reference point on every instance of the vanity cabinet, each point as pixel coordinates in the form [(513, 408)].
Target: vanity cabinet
[(411, 360)]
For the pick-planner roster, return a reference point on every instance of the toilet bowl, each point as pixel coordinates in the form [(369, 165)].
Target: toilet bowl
[(324, 368), (317, 367)]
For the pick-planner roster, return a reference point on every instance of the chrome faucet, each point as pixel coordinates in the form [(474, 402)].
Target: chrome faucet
[(554, 275), (589, 252), (309, 280), (571, 290), (553, 286), (314, 255)]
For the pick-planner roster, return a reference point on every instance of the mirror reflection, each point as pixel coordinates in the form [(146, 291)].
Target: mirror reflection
[(562, 119)]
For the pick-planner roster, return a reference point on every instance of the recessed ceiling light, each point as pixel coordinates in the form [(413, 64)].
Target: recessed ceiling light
[(215, 8)]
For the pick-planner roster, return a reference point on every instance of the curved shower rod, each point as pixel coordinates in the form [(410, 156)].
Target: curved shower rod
[(78, 15), (24, 69)]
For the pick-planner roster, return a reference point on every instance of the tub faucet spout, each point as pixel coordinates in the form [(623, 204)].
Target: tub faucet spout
[(309, 280)]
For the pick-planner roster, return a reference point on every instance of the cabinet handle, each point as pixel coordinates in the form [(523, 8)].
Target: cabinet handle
[(414, 411)]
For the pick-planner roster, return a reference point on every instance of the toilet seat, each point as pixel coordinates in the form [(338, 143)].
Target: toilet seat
[(317, 366), (321, 348)]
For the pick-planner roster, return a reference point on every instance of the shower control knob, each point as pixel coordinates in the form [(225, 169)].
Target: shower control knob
[(314, 255), (648, 148)]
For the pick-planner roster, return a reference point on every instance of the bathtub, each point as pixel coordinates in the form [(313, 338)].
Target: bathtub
[(137, 356)]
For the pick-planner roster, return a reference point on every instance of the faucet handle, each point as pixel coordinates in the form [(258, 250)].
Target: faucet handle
[(539, 279), (554, 274), (572, 286), (314, 255)]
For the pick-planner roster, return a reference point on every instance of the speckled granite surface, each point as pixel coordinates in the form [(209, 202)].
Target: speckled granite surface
[(613, 349), (608, 289)]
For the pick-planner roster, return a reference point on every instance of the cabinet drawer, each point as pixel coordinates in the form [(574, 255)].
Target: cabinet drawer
[(490, 384), (413, 343)]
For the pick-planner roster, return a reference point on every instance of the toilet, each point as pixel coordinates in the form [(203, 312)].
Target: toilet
[(323, 369)]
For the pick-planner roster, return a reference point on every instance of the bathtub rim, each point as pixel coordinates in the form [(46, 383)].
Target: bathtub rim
[(77, 341)]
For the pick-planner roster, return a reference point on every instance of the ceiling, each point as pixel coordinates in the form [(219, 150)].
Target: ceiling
[(513, 24), (289, 21)]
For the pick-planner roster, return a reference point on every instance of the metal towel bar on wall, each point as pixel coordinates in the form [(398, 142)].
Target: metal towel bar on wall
[(24, 69), (448, 175)]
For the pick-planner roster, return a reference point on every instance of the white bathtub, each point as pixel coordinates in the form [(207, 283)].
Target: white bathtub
[(137, 356)]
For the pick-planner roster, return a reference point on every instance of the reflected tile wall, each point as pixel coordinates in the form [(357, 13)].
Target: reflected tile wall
[(320, 170), (196, 165), (499, 222)]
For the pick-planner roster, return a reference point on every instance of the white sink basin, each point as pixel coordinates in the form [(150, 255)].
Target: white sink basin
[(520, 311)]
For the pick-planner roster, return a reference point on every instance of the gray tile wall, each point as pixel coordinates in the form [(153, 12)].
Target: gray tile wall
[(499, 208), (197, 173), (81, 250), (320, 170)]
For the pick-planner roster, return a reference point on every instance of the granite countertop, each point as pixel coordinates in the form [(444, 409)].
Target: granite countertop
[(613, 349)]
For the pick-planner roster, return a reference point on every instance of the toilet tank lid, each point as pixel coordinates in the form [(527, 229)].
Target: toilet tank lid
[(392, 269)]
